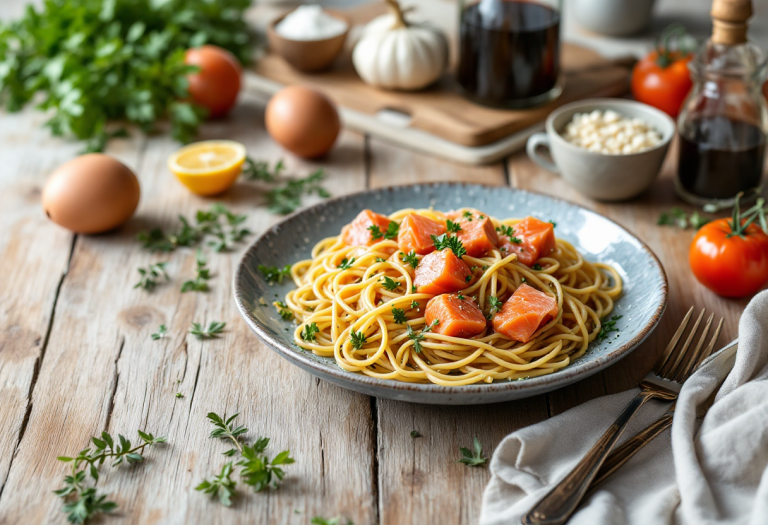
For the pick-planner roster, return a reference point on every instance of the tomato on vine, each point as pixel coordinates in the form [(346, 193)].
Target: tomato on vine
[(730, 255), (661, 79)]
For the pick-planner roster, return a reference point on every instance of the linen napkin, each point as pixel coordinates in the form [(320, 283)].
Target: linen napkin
[(703, 472)]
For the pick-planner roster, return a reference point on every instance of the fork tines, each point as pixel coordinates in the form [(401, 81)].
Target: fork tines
[(677, 364)]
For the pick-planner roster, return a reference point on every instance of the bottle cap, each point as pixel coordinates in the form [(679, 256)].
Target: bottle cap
[(729, 21)]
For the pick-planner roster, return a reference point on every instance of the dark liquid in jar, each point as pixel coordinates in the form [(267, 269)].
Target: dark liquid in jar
[(508, 50), (720, 157)]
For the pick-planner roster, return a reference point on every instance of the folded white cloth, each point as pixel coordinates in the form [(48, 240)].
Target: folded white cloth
[(705, 472)]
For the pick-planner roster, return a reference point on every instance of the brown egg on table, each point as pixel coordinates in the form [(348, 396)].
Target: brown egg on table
[(93, 193), (303, 121)]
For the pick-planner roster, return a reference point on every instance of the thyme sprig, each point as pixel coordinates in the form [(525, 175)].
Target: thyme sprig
[(219, 224), (150, 276), (203, 274), (256, 469), (81, 503)]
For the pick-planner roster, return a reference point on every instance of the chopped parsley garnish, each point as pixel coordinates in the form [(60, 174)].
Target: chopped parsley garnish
[(308, 334), (494, 304), (390, 284), (410, 258), (461, 297), (346, 264), (399, 315), (452, 227), (415, 434), (468, 278), (418, 338), (392, 229), (284, 311), (485, 267), (509, 231), (442, 242), (416, 305), (273, 274), (553, 223), (608, 327), (468, 215), (536, 267), (357, 339), (413, 288), (379, 259), (481, 217)]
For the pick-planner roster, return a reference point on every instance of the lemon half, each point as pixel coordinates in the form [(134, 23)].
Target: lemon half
[(208, 167)]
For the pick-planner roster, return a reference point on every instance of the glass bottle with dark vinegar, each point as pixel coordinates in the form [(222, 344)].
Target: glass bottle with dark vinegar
[(723, 123)]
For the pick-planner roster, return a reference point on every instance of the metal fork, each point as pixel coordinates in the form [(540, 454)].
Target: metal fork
[(674, 366)]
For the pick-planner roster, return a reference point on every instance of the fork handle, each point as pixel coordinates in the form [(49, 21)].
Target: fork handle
[(557, 506)]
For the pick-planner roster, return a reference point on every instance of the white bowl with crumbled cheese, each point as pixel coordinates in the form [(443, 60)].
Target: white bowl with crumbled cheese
[(608, 149)]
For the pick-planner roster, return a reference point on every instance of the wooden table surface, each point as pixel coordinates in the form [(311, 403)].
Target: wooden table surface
[(76, 356)]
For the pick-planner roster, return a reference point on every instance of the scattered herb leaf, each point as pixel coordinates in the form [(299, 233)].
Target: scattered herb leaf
[(346, 264), (473, 458), (608, 327), (357, 339), (442, 242), (452, 227), (161, 332), (390, 284), (215, 328), (273, 274), (399, 315), (150, 275), (308, 334)]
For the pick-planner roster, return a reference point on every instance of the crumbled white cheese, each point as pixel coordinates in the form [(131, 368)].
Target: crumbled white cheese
[(310, 22), (610, 132)]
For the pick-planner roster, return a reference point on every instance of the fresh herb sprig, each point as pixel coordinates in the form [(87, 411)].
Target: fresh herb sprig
[(82, 503), (273, 274), (678, 217), (161, 333), (151, 275), (338, 520), (398, 315), (390, 233), (608, 326), (357, 339), (286, 198), (203, 274), (284, 311), (308, 334), (259, 170), (417, 338), (213, 330), (494, 305), (346, 264), (410, 258), (219, 224), (256, 469), (389, 283), (442, 242), (473, 458), (88, 64), (452, 227)]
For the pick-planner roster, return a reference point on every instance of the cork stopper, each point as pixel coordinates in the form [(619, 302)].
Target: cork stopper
[(729, 21)]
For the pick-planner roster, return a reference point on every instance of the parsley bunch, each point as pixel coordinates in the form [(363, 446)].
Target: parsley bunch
[(256, 469), (96, 61)]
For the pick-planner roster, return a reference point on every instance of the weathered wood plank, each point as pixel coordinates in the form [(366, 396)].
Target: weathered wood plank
[(102, 370), (33, 259), (419, 479)]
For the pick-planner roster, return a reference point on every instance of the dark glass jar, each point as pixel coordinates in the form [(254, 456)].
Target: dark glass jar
[(509, 52)]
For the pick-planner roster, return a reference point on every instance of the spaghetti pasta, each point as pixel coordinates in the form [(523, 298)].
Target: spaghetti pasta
[(359, 305)]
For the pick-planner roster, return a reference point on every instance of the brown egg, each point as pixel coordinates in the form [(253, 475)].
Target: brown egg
[(91, 194), (303, 121)]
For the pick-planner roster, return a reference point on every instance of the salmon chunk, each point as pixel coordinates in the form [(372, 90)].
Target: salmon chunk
[(459, 316), (524, 313), (442, 272), (536, 239), (477, 233), (415, 234), (358, 232)]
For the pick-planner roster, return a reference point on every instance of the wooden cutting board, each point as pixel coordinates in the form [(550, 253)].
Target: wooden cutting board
[(440, 111)]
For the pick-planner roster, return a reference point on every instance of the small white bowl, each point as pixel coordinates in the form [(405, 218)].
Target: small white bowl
[(602, 176)]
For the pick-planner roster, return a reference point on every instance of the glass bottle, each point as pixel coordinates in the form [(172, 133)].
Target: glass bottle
[(509, 52), (723, 123)]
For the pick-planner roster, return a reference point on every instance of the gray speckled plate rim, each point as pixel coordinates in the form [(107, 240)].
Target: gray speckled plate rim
[(495, 392)]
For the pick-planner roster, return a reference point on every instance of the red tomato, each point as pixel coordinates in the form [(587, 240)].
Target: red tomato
[(662, 81), (735, 266), (217, 84)]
